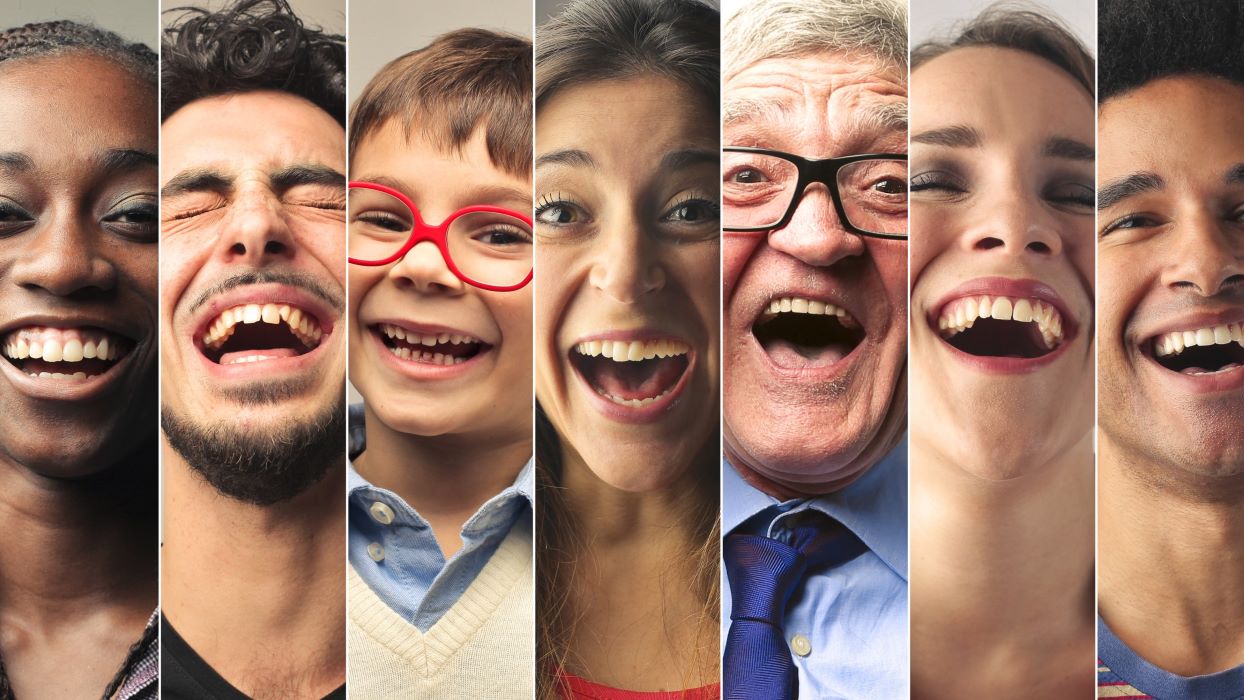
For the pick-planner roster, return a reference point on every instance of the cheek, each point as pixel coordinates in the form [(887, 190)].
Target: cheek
[(736, 251), (891, 261), (552, 285), (931, 234), (362, 281)]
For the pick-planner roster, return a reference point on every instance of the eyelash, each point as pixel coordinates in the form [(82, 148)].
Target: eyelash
[(713, 209), (553, 201)]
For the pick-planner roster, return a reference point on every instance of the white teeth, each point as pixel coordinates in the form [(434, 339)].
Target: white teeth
[(433, 358), (60, 345), (302, 325), (633, 403), (237, 360), (1175, 342), (632, 351), (413, 338), (961, 314), (799, 305)]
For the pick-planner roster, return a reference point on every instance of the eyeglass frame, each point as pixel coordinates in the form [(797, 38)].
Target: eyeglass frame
[(438, 235), (824, 171)]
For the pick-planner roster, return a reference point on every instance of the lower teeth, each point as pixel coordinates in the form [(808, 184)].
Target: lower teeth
[(434, 358), (1200, 371), (58, 375), (633, 403)]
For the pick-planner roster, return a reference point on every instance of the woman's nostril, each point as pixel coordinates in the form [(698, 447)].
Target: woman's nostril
[(989, 243), (1038, 247)]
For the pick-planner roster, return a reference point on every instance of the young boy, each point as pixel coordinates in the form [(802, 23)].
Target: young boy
[(440, 483)]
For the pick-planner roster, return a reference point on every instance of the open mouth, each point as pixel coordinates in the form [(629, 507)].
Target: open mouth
[(997, 326), (794, 328), (429, 348), (1201, 351), (260, 332), (633, 373), (68, 354)]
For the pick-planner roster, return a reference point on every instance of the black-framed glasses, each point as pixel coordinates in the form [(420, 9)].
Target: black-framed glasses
[(761, 188)]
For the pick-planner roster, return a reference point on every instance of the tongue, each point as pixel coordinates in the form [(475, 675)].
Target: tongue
[(790, 354), (636, 380), (232, 357)]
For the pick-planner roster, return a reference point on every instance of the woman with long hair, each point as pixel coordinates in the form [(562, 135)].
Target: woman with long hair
[(628, 233)]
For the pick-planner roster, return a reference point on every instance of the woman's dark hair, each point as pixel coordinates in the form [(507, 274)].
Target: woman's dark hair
[(591, 41), (63, 37), (1143, 40), (1013, 26), (248, 46)]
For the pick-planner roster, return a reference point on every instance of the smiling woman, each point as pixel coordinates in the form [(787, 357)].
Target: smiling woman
[(1002, 336), (78, 559), (627, 224)]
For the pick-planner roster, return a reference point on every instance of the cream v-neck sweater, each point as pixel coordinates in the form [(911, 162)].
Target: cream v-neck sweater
[(482, 647)]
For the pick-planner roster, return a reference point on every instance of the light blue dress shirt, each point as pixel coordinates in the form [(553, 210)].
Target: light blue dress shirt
[(401, 560), (851, 620)]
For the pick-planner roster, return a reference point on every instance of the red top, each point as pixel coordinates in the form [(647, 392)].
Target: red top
[(575, 688)]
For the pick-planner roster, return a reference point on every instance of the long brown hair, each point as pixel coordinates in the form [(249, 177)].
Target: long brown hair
[(590, 41)]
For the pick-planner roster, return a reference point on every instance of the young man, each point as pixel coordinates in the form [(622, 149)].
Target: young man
[(252, 340), (1171, 366), (441, 593)]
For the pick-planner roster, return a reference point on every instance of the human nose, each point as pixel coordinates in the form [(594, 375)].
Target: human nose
[(1014, 224), (425, 269), (815, 234), (64, 258), (1206, 258), (626, 263), (257, 231)]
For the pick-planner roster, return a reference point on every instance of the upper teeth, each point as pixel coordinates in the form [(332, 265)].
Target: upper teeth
[(632, 350), (301, 324), (799, 305), (428, 339), (960, 314), (1174, 342), (61, 345)]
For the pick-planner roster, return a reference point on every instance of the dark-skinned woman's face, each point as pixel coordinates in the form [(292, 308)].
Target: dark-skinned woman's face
[(78, 263)]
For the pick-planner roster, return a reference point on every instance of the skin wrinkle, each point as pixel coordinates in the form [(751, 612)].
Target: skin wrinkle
[(1171, 484), (776, 420)]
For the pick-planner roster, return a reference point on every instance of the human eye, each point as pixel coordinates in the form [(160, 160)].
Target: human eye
[(13, 218), (134, 218), (504, 234), (383, 220), (1131, 221), (1077, 197), (938, 183), (554, 209)]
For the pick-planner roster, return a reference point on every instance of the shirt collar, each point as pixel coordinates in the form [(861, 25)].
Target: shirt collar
[(874, 507)]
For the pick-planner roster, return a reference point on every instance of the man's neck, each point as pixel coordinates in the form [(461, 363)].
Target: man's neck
[(258, 592), (1171, 559), (1008, 562)]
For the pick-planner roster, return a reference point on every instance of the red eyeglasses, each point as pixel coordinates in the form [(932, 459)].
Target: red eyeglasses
[(485, 246)]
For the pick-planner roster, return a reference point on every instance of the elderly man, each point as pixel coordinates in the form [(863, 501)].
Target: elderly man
[(1171, 366), (251, 309), (815, 214)]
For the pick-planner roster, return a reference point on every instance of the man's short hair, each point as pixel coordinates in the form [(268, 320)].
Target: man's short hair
[(250, 45), (766, 29), (1013, 27), (464, 80), (1143, 40)]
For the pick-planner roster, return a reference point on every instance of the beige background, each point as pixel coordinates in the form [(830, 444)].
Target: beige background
[(135, 20)]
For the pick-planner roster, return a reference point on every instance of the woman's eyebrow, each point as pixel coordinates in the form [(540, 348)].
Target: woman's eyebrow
[(16, 162), (125, 159), (1070, 149), (567, 156), (689, 158), (958, 136)]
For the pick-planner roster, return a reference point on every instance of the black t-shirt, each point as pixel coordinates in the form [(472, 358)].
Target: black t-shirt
[(184, 675)]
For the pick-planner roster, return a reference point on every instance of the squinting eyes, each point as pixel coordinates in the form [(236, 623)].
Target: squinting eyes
[(1077, 197)]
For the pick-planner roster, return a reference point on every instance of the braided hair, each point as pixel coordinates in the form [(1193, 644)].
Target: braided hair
[(43, 39)]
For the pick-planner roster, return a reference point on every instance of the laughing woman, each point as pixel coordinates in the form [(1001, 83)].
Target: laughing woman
[(627, 344), (78, 554), (1002, 350)]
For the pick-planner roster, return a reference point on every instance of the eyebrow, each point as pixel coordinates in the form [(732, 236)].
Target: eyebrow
[(1061, 147), (1235, 174), (689, 158), (296, 175), (958, 136), (887, 116), (196, 180), (125, 159), (1130, 186), (569, 156), (16, 161)]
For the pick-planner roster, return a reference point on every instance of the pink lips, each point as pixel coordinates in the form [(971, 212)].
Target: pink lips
[(1015, 288)]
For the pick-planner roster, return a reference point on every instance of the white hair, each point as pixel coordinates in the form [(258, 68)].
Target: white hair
[(764, 29)]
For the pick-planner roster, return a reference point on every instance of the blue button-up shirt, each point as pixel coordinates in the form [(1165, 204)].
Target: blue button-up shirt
[(413, 577), (852, 617)]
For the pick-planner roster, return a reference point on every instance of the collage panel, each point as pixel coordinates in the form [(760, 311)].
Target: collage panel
[(78, 255), (252, 307), (1002, 335), (440, 483), (1170, 385), (814, 495), (627, 345)]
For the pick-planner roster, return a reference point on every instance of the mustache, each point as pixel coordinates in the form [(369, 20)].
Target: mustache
[(302, 281)]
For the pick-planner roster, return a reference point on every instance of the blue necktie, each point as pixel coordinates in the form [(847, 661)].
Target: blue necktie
[(764, 573)]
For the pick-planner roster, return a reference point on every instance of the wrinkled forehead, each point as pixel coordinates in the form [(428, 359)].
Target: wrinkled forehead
[(847, 98)]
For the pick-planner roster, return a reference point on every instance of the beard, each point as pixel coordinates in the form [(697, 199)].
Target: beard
[(261, 468)]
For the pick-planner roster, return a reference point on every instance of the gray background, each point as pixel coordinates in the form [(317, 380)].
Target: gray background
[(382, 30), (936, 18), (135, 20), (329, 15)]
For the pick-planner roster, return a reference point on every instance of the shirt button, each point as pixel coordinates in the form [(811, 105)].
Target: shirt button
[(381, 513), (375, 551), (800, 645)]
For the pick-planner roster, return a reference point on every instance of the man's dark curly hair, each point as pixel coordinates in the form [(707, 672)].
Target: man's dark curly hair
[(1142, 40), (251, 45)]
